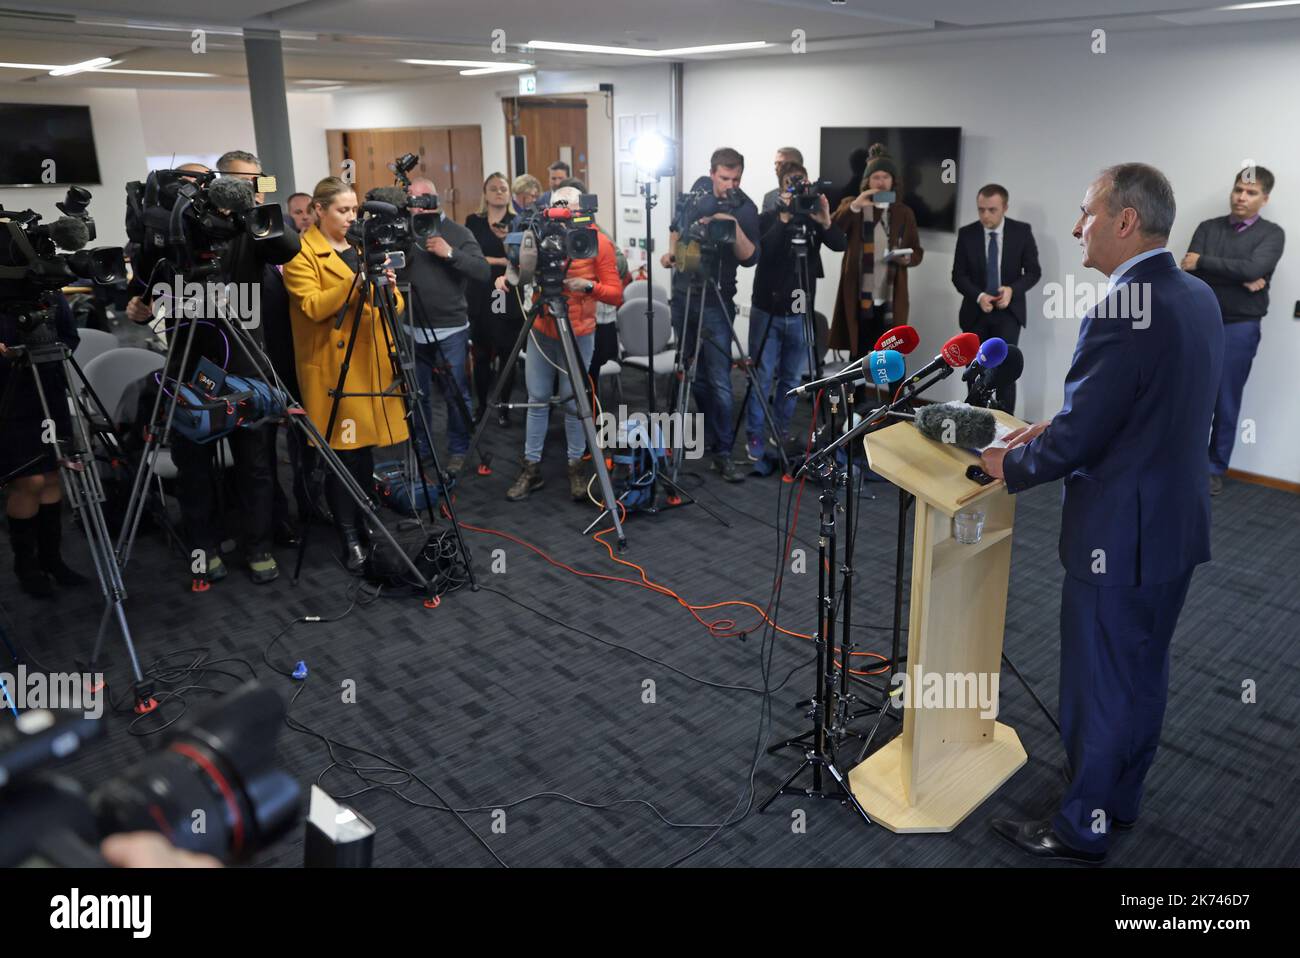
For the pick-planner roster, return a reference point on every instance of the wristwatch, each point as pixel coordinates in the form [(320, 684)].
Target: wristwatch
[(450, 254), (590, 286)]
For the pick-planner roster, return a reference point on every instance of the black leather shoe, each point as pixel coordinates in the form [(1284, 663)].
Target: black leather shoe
[(1118, 824), (1038, 839)]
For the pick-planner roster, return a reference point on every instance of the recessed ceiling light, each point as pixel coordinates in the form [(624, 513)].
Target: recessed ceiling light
[(94, 63), (641, 52)]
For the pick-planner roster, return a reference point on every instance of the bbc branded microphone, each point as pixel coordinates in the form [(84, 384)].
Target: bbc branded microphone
[(960, 350), (886, 363), (232, 193), (956, 424), (991, 355), (903, 339)]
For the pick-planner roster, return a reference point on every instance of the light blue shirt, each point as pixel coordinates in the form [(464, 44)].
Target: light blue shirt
[(1129, 263)]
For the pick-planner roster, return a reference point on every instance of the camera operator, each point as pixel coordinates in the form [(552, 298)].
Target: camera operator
[(28, 469), (778, 342), (246, 261), (712, 386), (439, 273), (587, 282), (322, 280)]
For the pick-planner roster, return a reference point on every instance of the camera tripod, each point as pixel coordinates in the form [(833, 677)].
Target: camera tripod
[(799, 243), (554, 300), (685, 371), (371, 287), (83, 489)]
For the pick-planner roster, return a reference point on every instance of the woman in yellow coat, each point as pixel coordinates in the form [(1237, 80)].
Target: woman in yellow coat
[(321, 279)]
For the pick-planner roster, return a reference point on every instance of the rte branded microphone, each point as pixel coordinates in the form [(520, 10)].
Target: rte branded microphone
[(903, 339), (960, 350), (886, 363), (232, 193), (956, 424)]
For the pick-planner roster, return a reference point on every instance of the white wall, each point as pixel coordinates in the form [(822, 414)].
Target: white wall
[(1041, 115), (214, 121), (115, 119)]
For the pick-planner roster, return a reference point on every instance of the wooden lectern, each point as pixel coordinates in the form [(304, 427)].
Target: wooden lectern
[(948, 760)]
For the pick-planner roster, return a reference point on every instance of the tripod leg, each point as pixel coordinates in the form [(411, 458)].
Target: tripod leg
[(498, 387), (577, 380)]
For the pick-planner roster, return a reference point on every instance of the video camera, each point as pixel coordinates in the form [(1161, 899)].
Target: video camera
[(211, 787), (216, 403), (546, 240), (31, 268), (699, 244), (805, 197), (190, 218)]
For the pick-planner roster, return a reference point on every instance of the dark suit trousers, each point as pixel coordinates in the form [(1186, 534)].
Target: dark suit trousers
[(1000, 323), (196, 489), (1114, 683)]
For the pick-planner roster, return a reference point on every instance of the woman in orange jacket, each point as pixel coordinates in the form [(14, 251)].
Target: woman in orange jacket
[(322, 282)]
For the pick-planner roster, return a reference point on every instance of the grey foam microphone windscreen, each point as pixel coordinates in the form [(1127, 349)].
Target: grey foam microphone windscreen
[(69, 233), (957, 424), (389, 194), (232, 193)]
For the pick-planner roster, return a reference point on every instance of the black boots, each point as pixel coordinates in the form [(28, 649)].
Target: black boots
[(37, 559), (345, 521)]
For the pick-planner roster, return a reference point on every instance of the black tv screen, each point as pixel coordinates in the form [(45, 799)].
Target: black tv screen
[(928, 159), (47, 145)]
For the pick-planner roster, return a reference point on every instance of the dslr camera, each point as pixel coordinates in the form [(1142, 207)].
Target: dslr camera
[(211, 786), (805, 197)]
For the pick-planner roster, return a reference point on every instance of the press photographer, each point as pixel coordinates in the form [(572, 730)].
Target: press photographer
[(720, 224), (441, 265), (785, 285), (228, 245), (587, 280)]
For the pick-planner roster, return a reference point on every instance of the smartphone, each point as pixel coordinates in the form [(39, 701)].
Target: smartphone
[(884, 196)]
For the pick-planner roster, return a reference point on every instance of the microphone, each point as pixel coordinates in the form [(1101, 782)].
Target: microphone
[(69, 233), (882, 366), (1000, 376), (378, 207), (956, 424), (393, 195), (957, 351), (991, 355), (231, 193), (903, 339)]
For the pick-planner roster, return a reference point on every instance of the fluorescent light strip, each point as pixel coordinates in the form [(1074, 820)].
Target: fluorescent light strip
[(92, 64), (476, 67), (501, 68), (160, 73), (639, 52), (29, 66), (1262, 6)]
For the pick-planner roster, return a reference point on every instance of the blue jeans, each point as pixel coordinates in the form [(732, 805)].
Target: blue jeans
[(1240, 340), (454, 353), (785, 355), (541, 378), (712, 386)]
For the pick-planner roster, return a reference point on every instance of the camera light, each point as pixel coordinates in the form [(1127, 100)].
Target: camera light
[(653, 155)]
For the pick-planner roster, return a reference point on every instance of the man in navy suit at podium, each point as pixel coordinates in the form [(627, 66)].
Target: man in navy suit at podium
[(1130, 443)]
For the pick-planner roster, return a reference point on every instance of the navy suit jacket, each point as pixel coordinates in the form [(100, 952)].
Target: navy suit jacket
[(1130, 439), (1018, 268)]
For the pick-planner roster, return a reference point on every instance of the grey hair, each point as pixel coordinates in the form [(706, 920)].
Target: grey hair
[(425, 181), (236, 156), (1144, 189)]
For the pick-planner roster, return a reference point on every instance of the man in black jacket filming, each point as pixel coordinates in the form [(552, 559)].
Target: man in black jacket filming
[(251, 288), (784, 290)]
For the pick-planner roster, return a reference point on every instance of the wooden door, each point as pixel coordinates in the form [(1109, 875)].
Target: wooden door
[(466, 171), (550, 126)]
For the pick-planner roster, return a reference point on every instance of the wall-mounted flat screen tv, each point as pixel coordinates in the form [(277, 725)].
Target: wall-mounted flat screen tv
[(47, 145), (922, 155)]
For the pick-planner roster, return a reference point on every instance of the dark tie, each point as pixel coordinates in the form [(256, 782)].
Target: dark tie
[(993, 283)]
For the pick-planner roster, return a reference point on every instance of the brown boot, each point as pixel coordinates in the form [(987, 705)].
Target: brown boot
[(578, 480), (530, 479)]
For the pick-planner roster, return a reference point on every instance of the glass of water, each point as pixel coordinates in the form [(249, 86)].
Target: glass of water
[(968, 526)]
